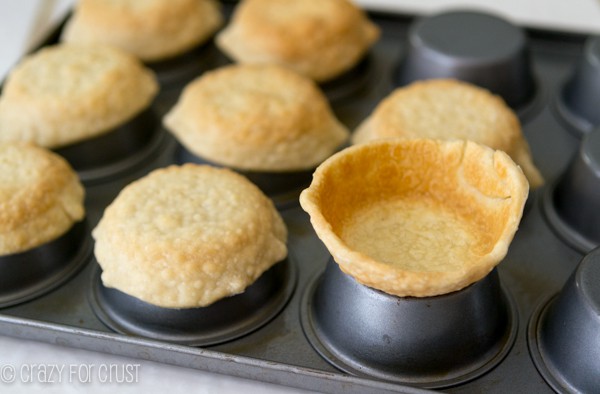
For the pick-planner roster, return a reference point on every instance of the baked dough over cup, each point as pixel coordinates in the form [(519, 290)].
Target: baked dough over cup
[(417, 217), (318, 38), (185, 237), (151, 30), (256, 118), (66, 94), (450, 109), (40, 197)]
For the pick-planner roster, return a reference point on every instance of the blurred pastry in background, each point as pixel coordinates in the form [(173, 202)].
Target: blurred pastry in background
[(151, 30), (41, 197), (69, 93), (450, 109), (320, 39), (256, 118)]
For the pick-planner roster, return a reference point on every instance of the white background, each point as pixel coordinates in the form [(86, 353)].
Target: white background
[(24, 22)]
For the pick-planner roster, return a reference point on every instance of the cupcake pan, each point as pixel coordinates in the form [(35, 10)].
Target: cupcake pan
[(537, 267), (225, 320), (475, 47), (350, 82), (572, 203), (49, 265), (564, 332), (430, 341), (576, 103), (115, 152), (175, 72)]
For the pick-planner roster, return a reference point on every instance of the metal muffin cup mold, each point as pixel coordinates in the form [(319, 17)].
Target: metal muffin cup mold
[(222, 321), (32, 273), (430, 342), (474, 47), (282, 187), (572, 203), (113, 153), (351, 82), (576, 104), (564, 332), (175, 72)]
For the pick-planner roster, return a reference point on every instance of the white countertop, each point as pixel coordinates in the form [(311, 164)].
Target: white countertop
[(22, 25)]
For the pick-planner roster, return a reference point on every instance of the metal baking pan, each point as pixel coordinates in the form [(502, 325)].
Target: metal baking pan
[(285, 349)]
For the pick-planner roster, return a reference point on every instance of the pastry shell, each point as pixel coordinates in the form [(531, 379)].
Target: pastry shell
[(318, 38), (68, 93), (185, 237), (41, 197), (151, 30), (417, 217), (256, 118)]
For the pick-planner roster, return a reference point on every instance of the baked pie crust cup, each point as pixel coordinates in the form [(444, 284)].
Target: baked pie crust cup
[(175, 244), (150, 30), (42, 222), (92, 104), (265, 121), (319, 39), (173, 38), (417, 217), (416, 228)]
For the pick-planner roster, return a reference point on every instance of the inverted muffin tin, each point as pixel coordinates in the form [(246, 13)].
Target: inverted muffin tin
[(324, 331)]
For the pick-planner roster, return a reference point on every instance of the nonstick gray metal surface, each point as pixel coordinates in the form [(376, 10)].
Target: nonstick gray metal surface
[(539, 262)]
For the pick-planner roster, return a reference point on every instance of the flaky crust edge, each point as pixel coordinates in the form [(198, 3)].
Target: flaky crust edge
[(399, 282)]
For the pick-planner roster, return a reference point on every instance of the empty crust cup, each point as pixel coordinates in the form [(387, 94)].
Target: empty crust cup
[(450, 109), (151, 30), (256, 118), (319, 39), (417, 217), (185, 237)]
